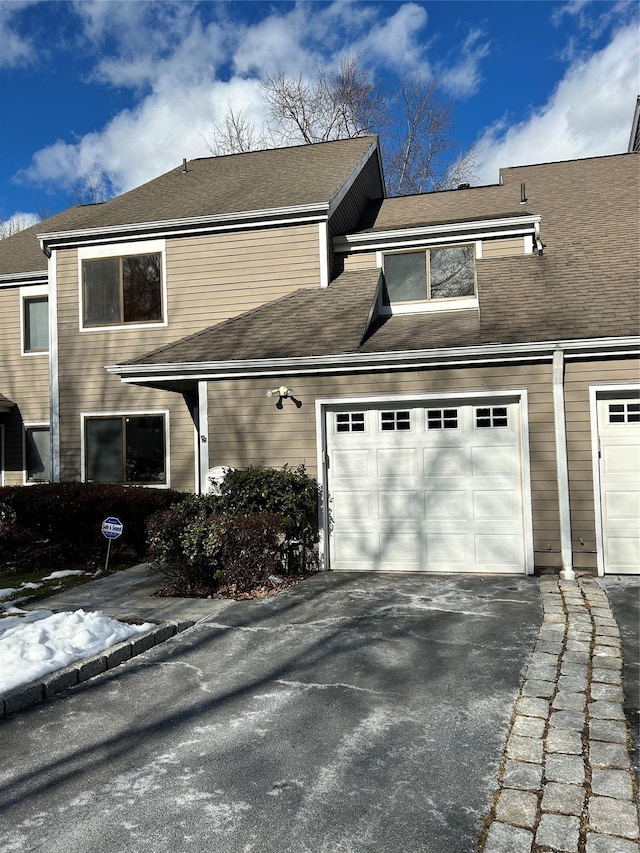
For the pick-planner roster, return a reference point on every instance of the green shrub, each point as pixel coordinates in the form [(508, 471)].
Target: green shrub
[(288, 492), (248, 550), (181, 544), (67, 517), (262, 521)]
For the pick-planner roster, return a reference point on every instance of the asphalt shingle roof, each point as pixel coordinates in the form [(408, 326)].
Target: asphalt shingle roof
[(585, 285), (211, 186), (307, 322)]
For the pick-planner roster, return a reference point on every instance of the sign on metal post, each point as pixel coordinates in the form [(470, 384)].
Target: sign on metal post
[(112, 528)]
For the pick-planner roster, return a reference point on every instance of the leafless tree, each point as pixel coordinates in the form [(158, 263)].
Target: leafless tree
[(418, 145), (9, 227), (336, 105), (89, 190), (236, 135), (414, 124)]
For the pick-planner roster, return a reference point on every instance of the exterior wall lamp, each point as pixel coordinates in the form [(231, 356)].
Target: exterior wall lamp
[(283, 393)]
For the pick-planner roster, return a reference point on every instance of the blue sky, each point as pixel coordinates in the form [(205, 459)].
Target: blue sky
[(119, 92)]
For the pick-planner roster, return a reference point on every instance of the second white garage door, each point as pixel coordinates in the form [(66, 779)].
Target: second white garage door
[(426, 488)]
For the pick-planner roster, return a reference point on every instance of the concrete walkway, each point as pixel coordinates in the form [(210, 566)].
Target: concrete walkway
[(129, 596), (566, 782)]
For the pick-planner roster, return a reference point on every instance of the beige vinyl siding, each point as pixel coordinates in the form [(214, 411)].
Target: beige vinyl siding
[(502, 247), (359, 261), (24, 379), (209, 278), (499, 248), (212, 278), (579, 375), (245, 427)]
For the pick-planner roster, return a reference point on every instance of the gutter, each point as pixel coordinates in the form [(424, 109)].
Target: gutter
[(472, 229), (358, 362), (24, 278), (187, 225)]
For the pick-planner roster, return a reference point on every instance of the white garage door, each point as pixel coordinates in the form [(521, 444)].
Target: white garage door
[(433, 488), (619, 421)]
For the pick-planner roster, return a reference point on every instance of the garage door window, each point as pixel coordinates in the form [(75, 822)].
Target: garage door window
[(624, 413), (442, 419), (349, 421), (391, 421), (492, 416)]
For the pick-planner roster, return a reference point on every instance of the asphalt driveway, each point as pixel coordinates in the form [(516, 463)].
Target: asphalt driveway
[(352, 713)]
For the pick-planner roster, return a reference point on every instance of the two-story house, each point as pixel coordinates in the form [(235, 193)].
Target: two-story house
[(460, 369)]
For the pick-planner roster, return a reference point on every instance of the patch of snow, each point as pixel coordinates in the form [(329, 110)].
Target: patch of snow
[(65, 573), (42, 642)]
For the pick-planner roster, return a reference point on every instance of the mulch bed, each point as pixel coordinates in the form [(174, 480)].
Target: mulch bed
[(265, 591)]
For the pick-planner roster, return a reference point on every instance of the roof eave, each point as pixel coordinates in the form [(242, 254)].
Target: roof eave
[(470, 229), (187, 225), (23, 279), (397, 360)]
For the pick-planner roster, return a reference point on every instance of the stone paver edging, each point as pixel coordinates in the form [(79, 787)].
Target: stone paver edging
[(44, 688), (566, 782)]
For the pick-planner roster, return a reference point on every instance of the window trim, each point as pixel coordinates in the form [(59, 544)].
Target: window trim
[(27, 293), (123, 250), (428, 304), (27, 426), (141, 413)]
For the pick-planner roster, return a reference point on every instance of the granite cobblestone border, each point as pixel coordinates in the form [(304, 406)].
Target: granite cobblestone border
[(566, 784), (46, 687)]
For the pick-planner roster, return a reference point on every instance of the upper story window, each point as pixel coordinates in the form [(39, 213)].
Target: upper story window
[(122, 290), (445, 272), (35, 324)]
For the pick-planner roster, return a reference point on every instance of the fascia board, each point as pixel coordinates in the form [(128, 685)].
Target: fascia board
[(24, 279), (189, 225), (346, 186), (351, 362), (472, 230)]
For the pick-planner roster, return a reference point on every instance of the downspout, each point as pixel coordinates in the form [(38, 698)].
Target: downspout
[(54, 378), (202, 460), (562, 464)]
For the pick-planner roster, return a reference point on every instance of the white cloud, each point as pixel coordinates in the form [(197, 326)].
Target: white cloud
[(464, 77), (396, 41), (16, 50), (187, 62), (589, 114), (140, 144)]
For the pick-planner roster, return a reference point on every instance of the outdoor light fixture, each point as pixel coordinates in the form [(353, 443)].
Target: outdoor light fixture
[(283, 393)]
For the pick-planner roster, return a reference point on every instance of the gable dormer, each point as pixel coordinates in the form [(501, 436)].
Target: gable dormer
[(431, 264)]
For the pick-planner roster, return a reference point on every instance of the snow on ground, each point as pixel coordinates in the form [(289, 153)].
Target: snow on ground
[(35, 644)]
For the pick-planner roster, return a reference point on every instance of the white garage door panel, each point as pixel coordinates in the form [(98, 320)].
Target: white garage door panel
[(423, 490), (619, 424)]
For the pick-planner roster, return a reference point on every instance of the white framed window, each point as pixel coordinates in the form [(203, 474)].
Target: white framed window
[(122, 285), (624, 412), (492, 416), (442, 419), (130, 448), (350, 422), (34, 320), (433, 274), (37, 453), (395, 421)]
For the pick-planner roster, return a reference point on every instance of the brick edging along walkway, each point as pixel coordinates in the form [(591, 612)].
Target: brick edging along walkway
[(566, 782), (76, 673)]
